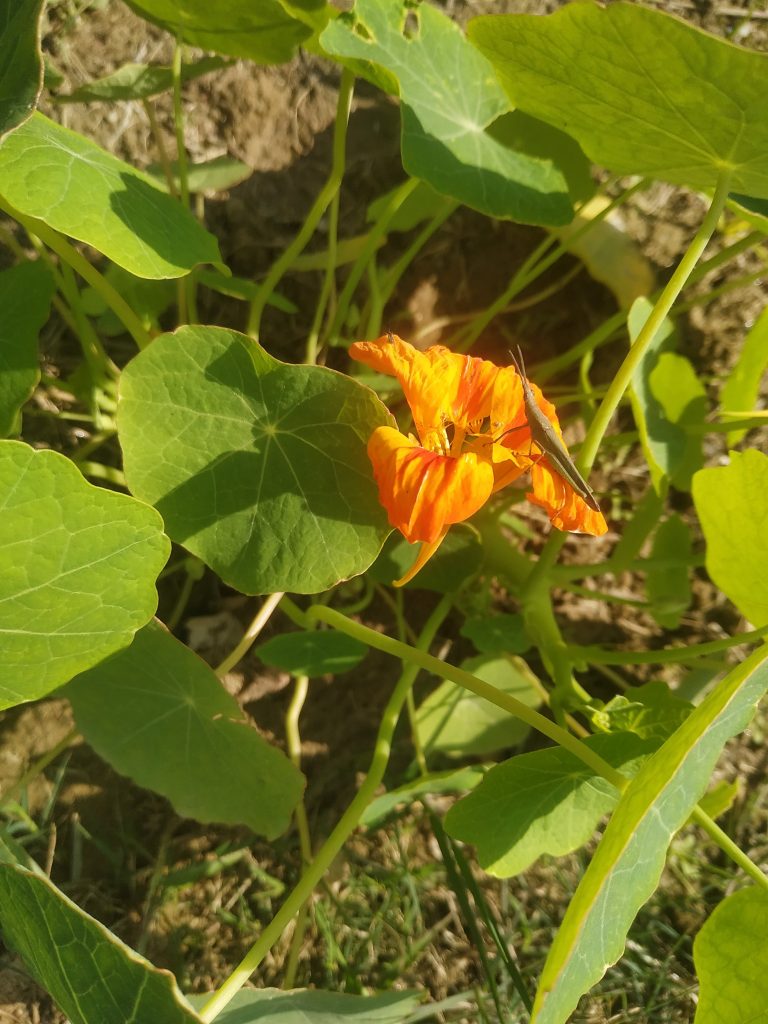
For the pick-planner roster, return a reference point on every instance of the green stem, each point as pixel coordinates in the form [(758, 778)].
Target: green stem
[(162, 152), (260, 620), (346, 825), (728, 846), (89, 273), (667, 656), (443, 670), (101, 366), (329, 279), (178, 124), (319, 207), (293, 742)]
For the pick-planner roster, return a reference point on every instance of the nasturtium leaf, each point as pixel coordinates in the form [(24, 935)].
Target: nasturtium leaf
[(497, 634), (215, 175), (669, 586), (720, 798), (450, 100), (682, 400), (456, 780), (545, 802), (422, 204), (139, 81), (313, 652), (63, 179), (730, 954), (157, 713), (78, 566), (147, 298), (314, 1006), (651, 711), (21, 66), (93, 976), (456, 722), (628, 862), (263, 32), (258, 467), (457, 559), (731, 503), (26, 291), (642, 92), (740, 391)]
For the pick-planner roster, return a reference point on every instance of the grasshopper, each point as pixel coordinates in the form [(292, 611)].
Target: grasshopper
[(543, 435)]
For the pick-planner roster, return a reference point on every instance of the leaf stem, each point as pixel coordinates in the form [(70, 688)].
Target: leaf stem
[(667, 656), (260, 619), (344, 828), (727, 845), (321, 204)]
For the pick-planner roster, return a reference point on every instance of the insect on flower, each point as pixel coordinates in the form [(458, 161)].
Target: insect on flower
[(478, 427)]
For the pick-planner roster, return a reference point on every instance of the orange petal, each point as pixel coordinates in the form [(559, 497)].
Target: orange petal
[(425, 553), (440, 386), (424, 492), (566, 510)]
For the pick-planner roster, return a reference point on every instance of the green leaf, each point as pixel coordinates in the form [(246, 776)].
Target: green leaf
[(450, 100), (157, 713), (628, 863), (147, 298), (214, 175), (25, 299), (460, 723), (457, 559), (77, 570), (140, 81), (91, 974), (642, 92), (420, 205), (545, 802), (651, 711), (666, 398), (731, 958), (312, 652), (669, 586), (259, 468), (740, 391), (21, 67), (67, 181), (263, 32), (730, 503), (497, 634), (305, 1006), (452, 781)]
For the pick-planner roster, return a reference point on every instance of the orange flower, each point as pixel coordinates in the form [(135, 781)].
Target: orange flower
[(473, 439)]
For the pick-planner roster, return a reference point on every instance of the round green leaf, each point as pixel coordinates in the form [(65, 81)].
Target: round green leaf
[(139, 81), (259, 468), (643, 92), (93, 976), (731, 503), (67, 181), (158, 714), (731, 958), (25, 299), (450, 100), (313, 652), (77, 570), (263, 32), (21, 67)]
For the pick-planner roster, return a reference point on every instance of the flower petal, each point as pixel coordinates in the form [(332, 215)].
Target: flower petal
[(566, 510), (424, 492)]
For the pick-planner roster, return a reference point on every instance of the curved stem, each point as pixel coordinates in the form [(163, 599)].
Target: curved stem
[(346, 825), (319, 207), (329, 279), (727, 845), (670, 655), (259, 622), (178, 124)]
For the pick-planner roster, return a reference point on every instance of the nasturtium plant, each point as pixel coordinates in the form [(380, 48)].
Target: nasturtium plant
[(21, 65), (78, 566), (237, 450), (25, 298), (139, 81)]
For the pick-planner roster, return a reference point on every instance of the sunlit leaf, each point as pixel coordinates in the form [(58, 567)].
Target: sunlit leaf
[(259, 468), (139, 81), (643, 92), (740, 391), (458, 780), (628, 862), (25, 299), (78, 566), (730, 503), (263, 32), (67, 181), (669, 586), (312, 652), (731, 958), (450, 100), (313, 1006), (457, 722), (157, 713), (545, 802), (21, 67), (651, 711), (682, 400), (91, 974)]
